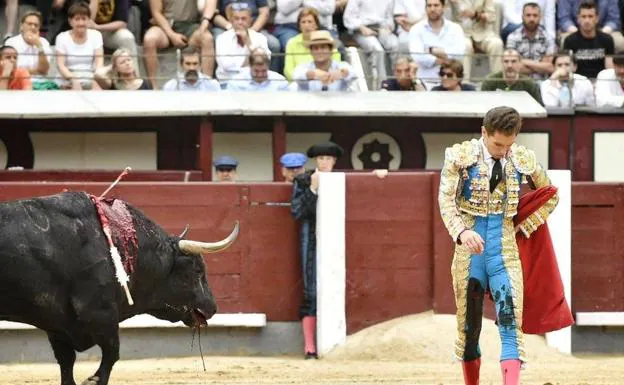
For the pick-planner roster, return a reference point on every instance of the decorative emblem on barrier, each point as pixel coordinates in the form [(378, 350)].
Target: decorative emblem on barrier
[(376, 150)]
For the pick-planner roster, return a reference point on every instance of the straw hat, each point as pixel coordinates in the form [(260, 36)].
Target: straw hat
[(320, 37)]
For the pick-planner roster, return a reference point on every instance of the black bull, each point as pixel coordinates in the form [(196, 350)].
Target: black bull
[(56, 274)]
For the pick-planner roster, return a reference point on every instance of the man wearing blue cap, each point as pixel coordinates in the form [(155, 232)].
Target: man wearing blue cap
[(225, 169), (303, 208), (292, 165)]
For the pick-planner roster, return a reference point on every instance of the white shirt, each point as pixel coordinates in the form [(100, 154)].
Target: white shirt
[(421, 37), (512, 13), (28, 55), (244, 82), (609, 90), (300, 76), (231, 56), (204, 83), (287, 11), (80, 57), (582, 92), (368, 12), (413, 9), (487, 158)]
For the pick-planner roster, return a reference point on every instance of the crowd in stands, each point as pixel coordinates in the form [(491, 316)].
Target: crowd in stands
[(564, 53)]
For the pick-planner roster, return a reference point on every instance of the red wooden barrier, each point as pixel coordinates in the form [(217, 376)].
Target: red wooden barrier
[(398, 252)]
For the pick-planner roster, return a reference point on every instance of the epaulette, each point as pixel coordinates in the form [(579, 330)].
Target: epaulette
[(523, 159), (463, 155)]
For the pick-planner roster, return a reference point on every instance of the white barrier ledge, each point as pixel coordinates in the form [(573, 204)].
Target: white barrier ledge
[(610, 318), (142, 321)]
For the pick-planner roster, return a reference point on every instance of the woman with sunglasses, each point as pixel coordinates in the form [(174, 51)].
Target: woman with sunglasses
[(451, 75)]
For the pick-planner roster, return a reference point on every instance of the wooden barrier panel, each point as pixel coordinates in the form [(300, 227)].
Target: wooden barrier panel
[(389, 247), (597, 247)]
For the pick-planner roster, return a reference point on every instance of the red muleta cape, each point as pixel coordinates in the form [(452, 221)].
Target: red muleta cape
[(545, 307)]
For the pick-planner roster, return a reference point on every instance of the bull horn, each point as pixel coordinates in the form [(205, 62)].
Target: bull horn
[(196, 247), (186, 229)]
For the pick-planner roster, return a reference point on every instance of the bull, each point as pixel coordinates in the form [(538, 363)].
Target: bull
[(56, 274)]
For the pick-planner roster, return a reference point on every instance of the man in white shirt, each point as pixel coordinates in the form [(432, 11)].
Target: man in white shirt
[(561, 90), (610, 85), (434, 41), (191, 78), (258, 77), (234, 45), (406, 14), (323, 73), (371, 23), (34, 51)]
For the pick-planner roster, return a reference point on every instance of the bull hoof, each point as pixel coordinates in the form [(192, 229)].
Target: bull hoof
[(93, 380)]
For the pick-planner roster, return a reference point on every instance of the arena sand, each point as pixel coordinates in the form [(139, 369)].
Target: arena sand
[(414, 350)]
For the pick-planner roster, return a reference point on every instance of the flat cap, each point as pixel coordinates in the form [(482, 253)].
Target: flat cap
[(225, 162), (293, 160)]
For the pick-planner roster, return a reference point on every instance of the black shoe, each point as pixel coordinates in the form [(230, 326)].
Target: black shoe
[(309, 356)]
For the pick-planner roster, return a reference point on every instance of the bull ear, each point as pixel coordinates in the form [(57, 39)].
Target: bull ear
[(186, 229), (196, 247)]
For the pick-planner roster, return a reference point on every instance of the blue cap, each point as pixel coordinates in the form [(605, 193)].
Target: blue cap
[(293, 160), (225, 162)]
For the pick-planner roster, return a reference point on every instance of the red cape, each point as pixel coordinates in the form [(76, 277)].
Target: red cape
[(545, 306)]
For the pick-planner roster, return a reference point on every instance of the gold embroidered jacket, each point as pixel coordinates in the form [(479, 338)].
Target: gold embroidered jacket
[(459, 158)]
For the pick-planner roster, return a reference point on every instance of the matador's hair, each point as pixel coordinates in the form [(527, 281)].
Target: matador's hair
[(505, 120)]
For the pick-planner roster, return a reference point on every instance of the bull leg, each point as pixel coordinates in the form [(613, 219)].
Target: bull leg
[(65, 356), (107, 338)]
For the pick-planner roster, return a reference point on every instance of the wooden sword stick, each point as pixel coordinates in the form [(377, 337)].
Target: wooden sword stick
[(123, 173)]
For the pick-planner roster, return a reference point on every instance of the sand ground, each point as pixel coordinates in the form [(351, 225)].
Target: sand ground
[(411, 350)]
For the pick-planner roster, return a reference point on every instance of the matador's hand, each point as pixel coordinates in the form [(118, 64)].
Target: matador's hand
[(473, 241)]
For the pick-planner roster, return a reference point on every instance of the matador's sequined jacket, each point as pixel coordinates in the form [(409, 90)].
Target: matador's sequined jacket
[(464, 187)]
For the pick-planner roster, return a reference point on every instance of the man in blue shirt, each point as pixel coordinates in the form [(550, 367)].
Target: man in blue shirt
[(191, 78), (258, 77)]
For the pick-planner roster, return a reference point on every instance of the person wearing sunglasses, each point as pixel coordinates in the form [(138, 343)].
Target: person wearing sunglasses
[(451, 75)]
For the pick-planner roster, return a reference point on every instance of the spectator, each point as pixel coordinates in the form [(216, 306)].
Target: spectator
[(452, 74), (288, 15), (177, 23), (292, 165), (434, 41), (406, 14), (477, 18), (258, 77), (533, 44), (11, 76), (79, 51), (510, 79), (610, 85), (371, 23), (513, 11), (606, 17), (191, 78), (10, 12), (296, 51), (34, 52), (121, 73), (323, 73), (111, 19), (405, 77), (591, 47), (225, 169), (565, 88), (260, 13), (234, 45)]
